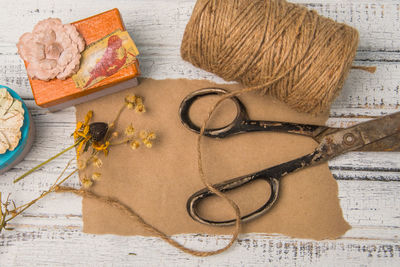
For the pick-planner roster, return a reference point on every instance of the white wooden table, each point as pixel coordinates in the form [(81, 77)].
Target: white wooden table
[(50, 233)]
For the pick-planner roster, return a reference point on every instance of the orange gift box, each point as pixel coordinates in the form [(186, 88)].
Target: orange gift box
[(56, 94)]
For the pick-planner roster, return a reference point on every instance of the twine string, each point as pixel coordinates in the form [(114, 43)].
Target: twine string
[(131, 214), (255, 41), (272, 46)]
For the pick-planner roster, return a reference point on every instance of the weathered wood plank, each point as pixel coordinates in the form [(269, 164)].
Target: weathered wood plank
[(159, 42), (363, 93), (59, 246), (50, 232), (378, 22)]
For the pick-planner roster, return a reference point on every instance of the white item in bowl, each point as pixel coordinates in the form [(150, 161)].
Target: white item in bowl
[(11, 121)]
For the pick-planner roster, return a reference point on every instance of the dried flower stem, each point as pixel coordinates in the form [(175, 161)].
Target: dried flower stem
[(16, 211), (4, 213), (84, 139), (131, 214), (47, 161), (124, 141), (113, 124)]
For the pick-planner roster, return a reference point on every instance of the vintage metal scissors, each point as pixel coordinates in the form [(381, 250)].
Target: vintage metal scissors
[(382, 134)]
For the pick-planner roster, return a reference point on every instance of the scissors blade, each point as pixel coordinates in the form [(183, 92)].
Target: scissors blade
[(388, 144), (379, 134)]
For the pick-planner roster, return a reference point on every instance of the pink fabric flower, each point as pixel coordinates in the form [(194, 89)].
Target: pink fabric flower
[(52, 50)]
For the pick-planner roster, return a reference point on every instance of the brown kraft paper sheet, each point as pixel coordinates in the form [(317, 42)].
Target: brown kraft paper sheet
[(157, 182)]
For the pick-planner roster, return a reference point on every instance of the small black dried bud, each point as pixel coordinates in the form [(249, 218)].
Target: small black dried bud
[(98, 131)]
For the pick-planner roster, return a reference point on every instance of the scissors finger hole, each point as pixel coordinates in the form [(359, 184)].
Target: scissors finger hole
[(223, 115), (195, 108), (249, 197)]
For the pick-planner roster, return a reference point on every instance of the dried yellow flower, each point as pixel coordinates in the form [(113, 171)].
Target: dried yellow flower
[(135, 102), (88, 116), (139, 100), (96, 176), (82, 128), (86, 182), (147, 143), (151, 136), (82, 131), (115, 134), (134, 145), (97, 162), (81, 164), (130, 99), (86, 130), (79, 125), (140, 108), (101, 147), (143, 134), (129, 131), (129, 105)]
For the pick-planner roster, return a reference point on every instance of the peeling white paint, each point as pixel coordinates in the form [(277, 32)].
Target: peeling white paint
[(49, 234)]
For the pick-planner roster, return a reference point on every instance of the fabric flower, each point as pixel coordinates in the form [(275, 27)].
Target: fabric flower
[(52, 50)]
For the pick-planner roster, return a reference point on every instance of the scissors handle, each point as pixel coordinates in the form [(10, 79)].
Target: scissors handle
[(214, 132), (331, 145), (271, 176), (241, 123)]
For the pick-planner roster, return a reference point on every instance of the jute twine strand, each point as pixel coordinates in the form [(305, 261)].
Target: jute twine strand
[(271, 46), (137, 218)]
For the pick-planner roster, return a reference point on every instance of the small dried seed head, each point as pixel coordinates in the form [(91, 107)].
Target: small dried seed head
[(96, 176), (86, 182), (143, 134), (129, 131), (81, 164), (147, 143), (97, 162), (140, 108), (130, 99), (152, 136), (134, 145)]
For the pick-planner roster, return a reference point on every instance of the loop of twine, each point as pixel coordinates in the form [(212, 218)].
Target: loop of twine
[(137, 218)]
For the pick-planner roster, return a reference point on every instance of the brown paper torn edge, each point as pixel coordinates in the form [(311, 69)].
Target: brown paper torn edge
[(157, 182)]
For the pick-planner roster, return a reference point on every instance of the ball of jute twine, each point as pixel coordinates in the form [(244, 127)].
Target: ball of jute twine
[(280, 48)]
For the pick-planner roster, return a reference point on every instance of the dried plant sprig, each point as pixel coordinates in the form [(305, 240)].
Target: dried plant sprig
[(47, 161), (9, 214), (131, 138), (86, 136), (81, 135)]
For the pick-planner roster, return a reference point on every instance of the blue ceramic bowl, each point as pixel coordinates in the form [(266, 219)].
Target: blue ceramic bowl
[(11, 158)]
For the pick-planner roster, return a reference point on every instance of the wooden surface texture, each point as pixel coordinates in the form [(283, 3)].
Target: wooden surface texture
[(50, 233)]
